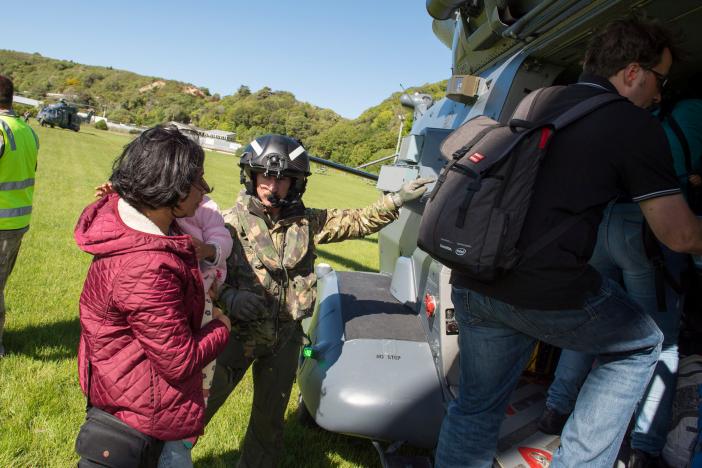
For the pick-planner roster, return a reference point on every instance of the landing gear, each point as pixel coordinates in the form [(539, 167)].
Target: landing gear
[(303, 415), (390, 459)]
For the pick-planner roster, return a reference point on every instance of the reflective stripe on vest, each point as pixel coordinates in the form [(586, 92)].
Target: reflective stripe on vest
[(17, 185), (17, 168), (15, 212), (10, 136)]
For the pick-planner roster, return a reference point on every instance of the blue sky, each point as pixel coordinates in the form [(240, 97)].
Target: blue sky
[(344, 55)]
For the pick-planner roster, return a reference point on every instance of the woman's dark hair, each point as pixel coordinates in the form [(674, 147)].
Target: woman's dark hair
[(158, 168), (625, 41)]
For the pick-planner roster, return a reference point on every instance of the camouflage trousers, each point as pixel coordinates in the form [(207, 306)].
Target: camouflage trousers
[(9, 247), (273, 372)]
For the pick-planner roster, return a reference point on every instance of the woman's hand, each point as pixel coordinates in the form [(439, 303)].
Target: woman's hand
[(202, 250), (213, 292), (219, 315)]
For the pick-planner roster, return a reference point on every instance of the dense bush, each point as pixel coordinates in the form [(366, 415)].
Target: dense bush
[(101, 125), (126, 97)]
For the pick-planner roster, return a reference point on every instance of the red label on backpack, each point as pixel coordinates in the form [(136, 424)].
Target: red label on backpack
[(475, 158), (545, 136)]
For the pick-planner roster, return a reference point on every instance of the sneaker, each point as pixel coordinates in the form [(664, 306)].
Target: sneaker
[(640, 459), (552, 422)]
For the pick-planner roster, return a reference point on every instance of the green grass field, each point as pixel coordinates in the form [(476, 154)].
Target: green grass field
[(41, 405)]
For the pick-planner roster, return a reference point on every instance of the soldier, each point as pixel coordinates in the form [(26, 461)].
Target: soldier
[(270, 285)]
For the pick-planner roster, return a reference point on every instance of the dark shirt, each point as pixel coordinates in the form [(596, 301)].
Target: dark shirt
[(618, 151)]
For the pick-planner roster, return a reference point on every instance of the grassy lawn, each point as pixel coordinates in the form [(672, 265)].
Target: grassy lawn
[(41, 406)]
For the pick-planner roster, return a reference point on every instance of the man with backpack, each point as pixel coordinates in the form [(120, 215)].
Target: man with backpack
[(552, 294), (652, 275)]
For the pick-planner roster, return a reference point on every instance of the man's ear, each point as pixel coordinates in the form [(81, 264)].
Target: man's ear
[(630, 73)]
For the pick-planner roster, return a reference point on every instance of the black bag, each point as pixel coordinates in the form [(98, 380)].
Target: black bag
[(104, 440), (474, 217)]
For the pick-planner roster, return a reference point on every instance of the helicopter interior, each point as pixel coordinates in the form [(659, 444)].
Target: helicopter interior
[(558, 59)]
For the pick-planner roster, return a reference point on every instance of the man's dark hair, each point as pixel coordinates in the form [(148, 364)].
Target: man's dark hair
[(7, 89), (625, 41), (158, 168)]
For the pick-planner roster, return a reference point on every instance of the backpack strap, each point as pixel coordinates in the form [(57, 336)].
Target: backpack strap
[(521, 113), (583, 108), (576, 112), (680, 135), (89, 405), (662, 274), (550, 236)]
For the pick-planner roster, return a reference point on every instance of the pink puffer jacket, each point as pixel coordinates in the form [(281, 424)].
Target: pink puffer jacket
[(140, 315)]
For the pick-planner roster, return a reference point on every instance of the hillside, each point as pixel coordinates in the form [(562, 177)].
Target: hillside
[(146, 100)]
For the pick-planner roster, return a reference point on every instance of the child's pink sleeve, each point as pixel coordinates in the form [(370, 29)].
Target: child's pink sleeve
[(213, 231)]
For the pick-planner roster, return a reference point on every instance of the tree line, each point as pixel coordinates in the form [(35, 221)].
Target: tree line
[(127, 97)]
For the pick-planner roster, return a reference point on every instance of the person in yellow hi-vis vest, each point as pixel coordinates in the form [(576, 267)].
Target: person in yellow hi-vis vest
[(19, 146)]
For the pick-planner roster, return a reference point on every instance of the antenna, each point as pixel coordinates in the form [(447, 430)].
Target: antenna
[(400, 116)]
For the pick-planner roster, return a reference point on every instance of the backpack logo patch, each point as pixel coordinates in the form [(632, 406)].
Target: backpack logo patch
[(475, 158)]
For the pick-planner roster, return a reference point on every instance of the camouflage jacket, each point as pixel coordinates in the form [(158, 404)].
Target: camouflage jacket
[(275, 259)]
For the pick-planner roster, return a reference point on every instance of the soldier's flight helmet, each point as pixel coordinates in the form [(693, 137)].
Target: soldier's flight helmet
[(277, 155)]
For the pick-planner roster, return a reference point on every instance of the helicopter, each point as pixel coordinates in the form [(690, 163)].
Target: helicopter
[(382, 361), (59, 114)]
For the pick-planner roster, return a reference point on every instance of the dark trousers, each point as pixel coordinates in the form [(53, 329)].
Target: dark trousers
[(273, 372)]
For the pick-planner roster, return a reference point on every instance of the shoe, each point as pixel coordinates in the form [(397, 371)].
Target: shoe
[(640, 459), (552, 422)]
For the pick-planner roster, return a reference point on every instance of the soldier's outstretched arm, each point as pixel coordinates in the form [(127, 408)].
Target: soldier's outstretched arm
[(337, 225)]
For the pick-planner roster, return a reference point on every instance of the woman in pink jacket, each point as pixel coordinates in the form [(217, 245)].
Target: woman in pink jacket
[(141, 348)]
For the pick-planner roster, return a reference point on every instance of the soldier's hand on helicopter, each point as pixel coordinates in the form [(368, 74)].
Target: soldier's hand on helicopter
[(219, 315), (411, 190), (104, 189)]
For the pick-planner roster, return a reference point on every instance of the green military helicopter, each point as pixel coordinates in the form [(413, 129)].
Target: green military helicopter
[(60, 114)]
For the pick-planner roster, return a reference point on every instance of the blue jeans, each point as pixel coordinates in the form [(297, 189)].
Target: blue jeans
[(496, 341), (176, 454), (619, 255)]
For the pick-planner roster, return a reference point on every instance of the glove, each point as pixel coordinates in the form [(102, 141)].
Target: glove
[(411, 190), (241, 305)]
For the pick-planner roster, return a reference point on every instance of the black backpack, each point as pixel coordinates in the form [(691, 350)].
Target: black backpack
[(475, 214)]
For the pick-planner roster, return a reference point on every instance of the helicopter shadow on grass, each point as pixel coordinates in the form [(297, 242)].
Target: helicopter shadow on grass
[(370, 240), (228, 458), (45, 342), (314, 444), (345, 262)]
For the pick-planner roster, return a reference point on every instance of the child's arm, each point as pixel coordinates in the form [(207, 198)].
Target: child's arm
[(104, 189), (213, 232)]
